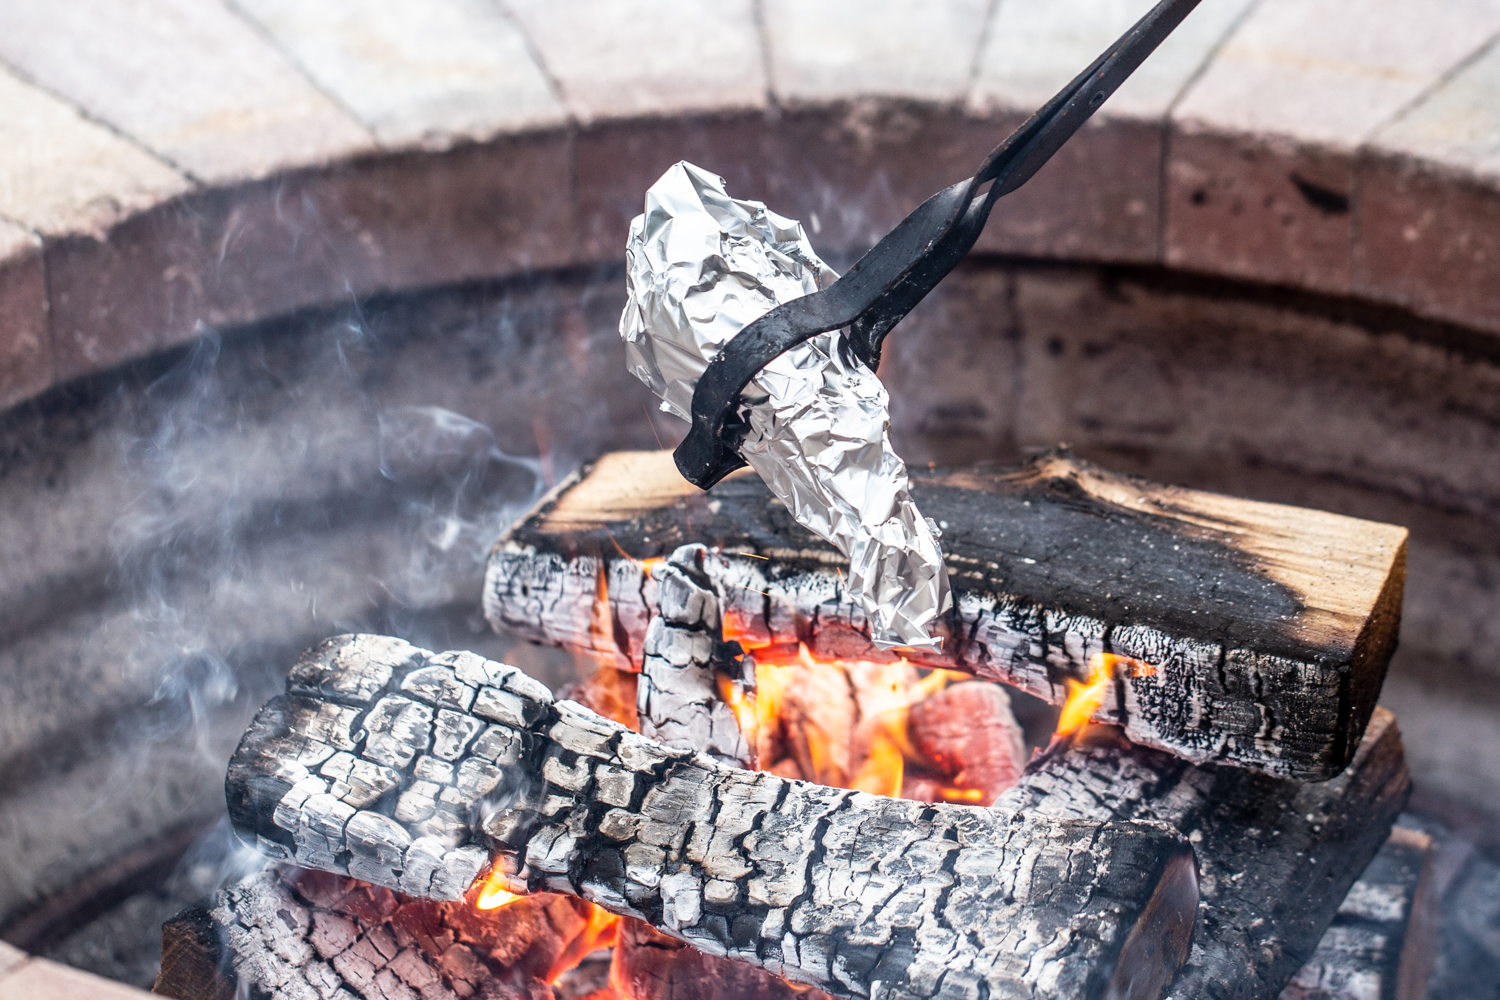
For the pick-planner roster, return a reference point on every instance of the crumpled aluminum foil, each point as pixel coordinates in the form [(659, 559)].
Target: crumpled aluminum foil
[(700, 267)]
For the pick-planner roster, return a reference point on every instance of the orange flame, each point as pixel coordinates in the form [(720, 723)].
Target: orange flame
[(600, 931), (495, 894), (805, 723), (1084, 699)]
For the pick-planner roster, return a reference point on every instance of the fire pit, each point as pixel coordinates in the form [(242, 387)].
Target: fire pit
[(180, 525)]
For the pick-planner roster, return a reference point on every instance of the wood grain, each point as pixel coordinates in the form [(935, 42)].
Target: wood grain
[(1268, 627)]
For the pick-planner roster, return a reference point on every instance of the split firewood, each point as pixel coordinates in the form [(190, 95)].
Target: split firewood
[(454, 760), (1264, 631), (306, 934), (649, 965), (758, 868), (1381, 945), (1276, 856)]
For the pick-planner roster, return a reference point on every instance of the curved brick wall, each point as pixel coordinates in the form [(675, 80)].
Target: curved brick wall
[(166, 163)]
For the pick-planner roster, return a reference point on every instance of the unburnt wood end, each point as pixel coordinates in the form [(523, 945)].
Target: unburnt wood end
[(1267, 628), (857, 894)]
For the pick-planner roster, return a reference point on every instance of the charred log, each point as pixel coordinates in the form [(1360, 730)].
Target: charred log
[(850, 892), (1276, 856), (827, 886), (1381, 943), (1268, 627), (300, 934)]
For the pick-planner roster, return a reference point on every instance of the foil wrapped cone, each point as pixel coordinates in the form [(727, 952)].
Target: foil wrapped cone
[(700, 267)]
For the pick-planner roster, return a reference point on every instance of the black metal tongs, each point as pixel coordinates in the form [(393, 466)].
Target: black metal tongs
[(909, 261)]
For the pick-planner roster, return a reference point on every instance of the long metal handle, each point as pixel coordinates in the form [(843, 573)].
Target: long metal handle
[(908, 262)]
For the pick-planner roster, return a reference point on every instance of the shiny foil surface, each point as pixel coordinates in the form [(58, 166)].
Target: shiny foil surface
[(700, 267)]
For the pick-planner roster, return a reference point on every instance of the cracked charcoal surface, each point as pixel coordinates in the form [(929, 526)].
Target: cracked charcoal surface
[(857, 894), (1043, 578), (313, 936), (683, 656), (826, 886)]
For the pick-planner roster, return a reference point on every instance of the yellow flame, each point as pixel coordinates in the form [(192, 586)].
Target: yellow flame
[(1085, 699), (494, 894)]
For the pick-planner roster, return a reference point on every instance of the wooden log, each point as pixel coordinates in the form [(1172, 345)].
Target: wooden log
[(649, 965), (313, 936), (566, 801), (853, 893), (1379, 946), (1276, 856), (1269, 628)]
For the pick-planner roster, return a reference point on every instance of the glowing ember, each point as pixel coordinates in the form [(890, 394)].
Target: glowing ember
[(601, 931), (842, 723), (1085, 698)]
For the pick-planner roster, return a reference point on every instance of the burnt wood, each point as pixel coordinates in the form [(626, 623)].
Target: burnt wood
[(1381, 944), (569, 802), (298, 934), (1269, 627), (1276, 856), (850, 892)]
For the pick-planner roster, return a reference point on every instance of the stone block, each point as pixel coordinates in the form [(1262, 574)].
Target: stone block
[(228, 256), (1299, 85), (39, 979), (1429, 240), (1263, 207), (1124, 367), (623, 58), (189, 80), (852, 171), (424, 74), (951, 370), (1428, 202), (843, 49), (1098, 198), (62, 174), (1034, 47), (25, 343)]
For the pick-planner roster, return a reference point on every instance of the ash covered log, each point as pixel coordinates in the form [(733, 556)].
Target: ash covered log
[(606, 813), (1269, 627), (1382, 941), (1276, 856), (853, 893), (305, 934)]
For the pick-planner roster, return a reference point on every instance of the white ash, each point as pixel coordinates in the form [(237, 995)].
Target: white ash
[(861, 895)]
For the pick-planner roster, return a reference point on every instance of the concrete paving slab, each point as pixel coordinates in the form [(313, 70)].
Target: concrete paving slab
[(842, 49), (1035, 47), (617, 58), (1333, 71), (187, 78), (1456, 124), (62, 174), (39, 979), (428, 73)]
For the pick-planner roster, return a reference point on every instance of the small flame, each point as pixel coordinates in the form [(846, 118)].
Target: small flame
[(495, 894), (600, 931), (1084, 699), (798, 734)]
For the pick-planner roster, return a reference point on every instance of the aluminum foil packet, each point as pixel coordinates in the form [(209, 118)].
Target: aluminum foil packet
[(700, 267)]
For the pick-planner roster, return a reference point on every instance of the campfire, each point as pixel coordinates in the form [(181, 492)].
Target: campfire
[(747, 799)]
